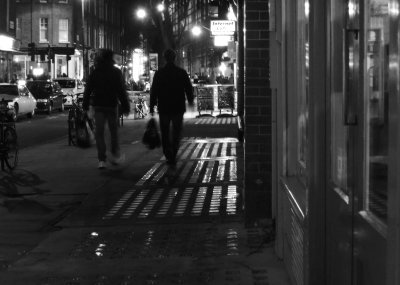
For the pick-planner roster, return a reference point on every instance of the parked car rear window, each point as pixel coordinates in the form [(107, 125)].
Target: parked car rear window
[(9, 89), (66, 83), (39, 89)]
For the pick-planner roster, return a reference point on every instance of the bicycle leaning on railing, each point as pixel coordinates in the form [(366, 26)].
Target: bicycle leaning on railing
[(8, 138), (80, 126), (141, 108)]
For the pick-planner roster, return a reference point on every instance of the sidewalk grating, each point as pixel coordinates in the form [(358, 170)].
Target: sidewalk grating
[(204, 184), (204, 201), (214, 121)]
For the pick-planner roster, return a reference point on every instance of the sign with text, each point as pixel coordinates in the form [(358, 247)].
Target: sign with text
[(222, 28)]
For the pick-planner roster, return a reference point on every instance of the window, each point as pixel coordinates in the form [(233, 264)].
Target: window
[(43, 1), (101, 37), (63, 30), (44, 30), (18, 28), (63, 1)]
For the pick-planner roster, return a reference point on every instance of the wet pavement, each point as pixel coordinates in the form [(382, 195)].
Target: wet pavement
[(160, 225)]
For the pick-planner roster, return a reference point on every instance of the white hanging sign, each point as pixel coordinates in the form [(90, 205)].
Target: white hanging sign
[(222, 28)]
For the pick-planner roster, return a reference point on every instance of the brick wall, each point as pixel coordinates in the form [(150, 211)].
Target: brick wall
[(257, 111)]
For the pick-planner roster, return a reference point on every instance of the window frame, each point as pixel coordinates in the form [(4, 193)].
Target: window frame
[(66, 31), (46, 29)]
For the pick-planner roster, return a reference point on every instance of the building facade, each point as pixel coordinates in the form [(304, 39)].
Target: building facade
[(58, 37), (8, 44)]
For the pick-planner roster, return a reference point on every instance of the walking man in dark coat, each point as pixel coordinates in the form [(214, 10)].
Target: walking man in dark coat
[(105, 89), (169, 91)]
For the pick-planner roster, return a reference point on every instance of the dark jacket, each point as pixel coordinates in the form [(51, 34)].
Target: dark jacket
[(170, 85), (105, 88)]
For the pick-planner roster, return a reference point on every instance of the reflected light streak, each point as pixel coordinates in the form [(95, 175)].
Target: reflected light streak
[(394, 9), (307, 8), (352, 9)]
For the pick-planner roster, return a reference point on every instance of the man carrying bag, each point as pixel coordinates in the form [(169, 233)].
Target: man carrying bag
[(106, 88)]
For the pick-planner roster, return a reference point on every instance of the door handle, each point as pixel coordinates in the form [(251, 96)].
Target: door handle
[(351, 76)]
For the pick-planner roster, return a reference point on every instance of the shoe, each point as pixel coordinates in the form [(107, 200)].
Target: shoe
[(102, 165), (117, 160)]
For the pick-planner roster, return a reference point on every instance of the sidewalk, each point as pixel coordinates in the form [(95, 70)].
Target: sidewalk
[(134, 224)]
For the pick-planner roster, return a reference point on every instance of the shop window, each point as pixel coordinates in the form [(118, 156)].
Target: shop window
[(376, 110), (63, 30), (101, 37), (44, 30)]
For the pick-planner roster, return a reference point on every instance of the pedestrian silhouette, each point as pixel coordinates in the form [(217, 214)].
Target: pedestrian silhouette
[(169, 91), (105, 89)]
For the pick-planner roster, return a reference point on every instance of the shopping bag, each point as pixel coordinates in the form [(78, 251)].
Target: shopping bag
[(151, 137)]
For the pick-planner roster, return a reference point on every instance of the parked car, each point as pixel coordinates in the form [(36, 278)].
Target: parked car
[(70, 88), (48, 95), (19, 99)]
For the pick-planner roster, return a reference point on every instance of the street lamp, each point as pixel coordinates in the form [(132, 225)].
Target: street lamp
[(83, 40), (160, 7), (141, 13), (196, 31)]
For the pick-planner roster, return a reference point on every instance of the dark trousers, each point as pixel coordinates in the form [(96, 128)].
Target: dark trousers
[(171, 128), (109, 116)]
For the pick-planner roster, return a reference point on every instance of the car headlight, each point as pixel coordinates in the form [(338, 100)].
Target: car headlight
[(41, 100)]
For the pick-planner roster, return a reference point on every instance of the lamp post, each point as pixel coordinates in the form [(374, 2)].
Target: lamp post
[(141, 14), (83, 41), (197, 31)]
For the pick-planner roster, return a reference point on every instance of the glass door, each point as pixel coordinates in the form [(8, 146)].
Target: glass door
[(370, 223), (358, 137), (344, 82)]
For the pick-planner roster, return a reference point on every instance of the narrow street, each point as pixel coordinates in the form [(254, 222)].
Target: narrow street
[(138, 223)]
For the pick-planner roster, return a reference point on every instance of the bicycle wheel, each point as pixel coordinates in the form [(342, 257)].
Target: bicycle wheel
[(72, 138), (11, 144)]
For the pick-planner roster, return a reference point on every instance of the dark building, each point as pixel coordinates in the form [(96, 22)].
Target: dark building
[(201, 53), (8, 44)]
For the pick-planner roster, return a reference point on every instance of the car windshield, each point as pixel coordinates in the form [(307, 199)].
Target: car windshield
[(39, 89), (66, 83), (9, 90)]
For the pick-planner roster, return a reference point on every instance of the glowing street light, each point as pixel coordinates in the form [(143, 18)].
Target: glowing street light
[(196, 31), (141, 13), (160, 7)]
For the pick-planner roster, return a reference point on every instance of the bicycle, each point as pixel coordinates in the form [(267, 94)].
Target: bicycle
[(141, 108), (80, 126), (8, 138)]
